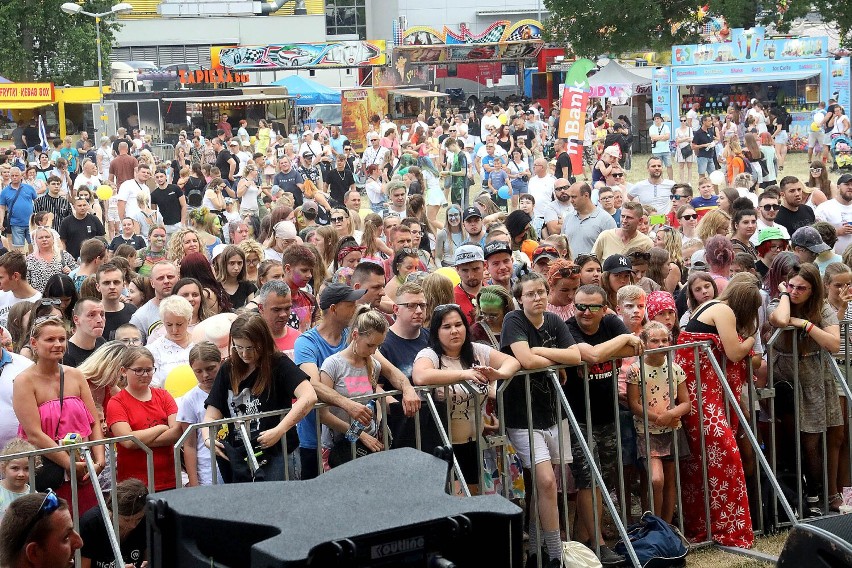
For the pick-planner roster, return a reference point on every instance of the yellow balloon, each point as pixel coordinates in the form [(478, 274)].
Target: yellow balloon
[(450, 274), (180, 381), (814, 127), (104, 192)]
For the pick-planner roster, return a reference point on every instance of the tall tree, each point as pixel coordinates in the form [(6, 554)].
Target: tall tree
[(40, 42), (618, 26)]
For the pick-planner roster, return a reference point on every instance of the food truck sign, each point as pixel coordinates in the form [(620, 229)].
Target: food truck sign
[(27, 92)]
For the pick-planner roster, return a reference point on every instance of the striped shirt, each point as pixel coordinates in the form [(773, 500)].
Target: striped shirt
[(59, 206)]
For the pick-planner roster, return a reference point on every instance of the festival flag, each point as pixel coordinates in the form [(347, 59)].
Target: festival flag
[(572, 113), (42, 134)]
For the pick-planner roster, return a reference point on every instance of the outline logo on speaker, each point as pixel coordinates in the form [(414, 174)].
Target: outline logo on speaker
[(397, 547)]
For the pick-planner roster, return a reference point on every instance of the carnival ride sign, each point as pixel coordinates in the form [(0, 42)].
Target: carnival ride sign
[(355, 53), (501, 40)]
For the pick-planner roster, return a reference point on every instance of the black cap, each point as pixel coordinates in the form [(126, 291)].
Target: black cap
[(336, 293), (845, 178), (657, 115), (616, 263), (517, 222), (471, 212), (496, 247)]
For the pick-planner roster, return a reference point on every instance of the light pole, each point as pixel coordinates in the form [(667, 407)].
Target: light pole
[(121, 8)]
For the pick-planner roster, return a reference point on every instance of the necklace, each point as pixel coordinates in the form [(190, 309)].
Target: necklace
[(342, 174)]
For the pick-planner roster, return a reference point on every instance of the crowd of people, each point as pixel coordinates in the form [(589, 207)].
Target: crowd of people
[(469, 258)]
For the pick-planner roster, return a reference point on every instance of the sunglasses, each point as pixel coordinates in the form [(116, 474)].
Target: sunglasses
[(593, 308), (768, 208), (816, 170), (689, 217), (50, 302), (48, 505), (639, 254), (584, 258), (337, 219), (618, 175), (568, 272), (675, 197)]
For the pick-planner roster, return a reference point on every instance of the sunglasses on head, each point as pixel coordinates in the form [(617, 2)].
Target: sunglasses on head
[(774, 207), (640, 255), (48, 506), (568, 271)]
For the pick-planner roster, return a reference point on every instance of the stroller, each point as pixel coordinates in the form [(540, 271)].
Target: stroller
[(841, 154)]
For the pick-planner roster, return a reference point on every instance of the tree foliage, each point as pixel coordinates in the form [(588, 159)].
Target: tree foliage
[(40, 42), (618, 26)]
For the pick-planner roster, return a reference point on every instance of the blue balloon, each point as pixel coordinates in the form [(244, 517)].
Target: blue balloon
[(504, 192)]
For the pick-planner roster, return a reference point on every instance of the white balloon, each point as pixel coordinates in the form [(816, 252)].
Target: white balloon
[(717, 177)]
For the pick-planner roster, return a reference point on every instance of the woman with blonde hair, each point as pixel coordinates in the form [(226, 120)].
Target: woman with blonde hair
[(172, 349), (248, 191), (329, 239), (204, 223), (438, 290), (715, 222), (374, 247), (101, 370), (670, 240), (254, 256), (46, 259), (183, 242), (734, 158)]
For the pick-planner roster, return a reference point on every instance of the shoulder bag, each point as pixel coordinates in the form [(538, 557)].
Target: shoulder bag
[(50, 475), (7, 220)]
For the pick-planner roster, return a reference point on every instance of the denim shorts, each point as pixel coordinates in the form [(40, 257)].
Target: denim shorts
[(666, 157), (21, 236)]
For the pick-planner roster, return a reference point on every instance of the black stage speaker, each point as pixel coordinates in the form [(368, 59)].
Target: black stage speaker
[(819, 543), (385, 509)]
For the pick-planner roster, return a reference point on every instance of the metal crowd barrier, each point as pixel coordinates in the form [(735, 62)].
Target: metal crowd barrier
[(621, 513), (769, 395), (84, 448)]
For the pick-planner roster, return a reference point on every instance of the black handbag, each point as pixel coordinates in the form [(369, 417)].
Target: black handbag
[(50, 475), (686, 152)]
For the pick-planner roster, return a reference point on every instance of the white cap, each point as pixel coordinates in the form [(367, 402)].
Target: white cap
[(285, 230), (217, 250)]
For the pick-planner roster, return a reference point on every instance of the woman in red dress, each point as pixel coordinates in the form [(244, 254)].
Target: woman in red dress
[(724, 322)]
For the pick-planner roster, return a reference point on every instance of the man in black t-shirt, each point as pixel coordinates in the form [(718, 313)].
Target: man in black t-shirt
[(89, 321), (168, 199), (537, 338), (339, 180), (289, 180), (704, 146), (226, 163), (563, 161), (601, 337), (793, 213), (110, 283), (79, 226)]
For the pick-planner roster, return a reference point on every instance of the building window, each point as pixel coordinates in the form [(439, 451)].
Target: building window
[(346, 18)]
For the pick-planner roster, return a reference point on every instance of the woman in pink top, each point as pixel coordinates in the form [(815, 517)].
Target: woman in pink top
[(563, 278), (51, 400), (390, 140)]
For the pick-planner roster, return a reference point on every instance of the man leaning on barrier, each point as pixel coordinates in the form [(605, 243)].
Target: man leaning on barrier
[(38, 532), (601, 337), (537, 338)]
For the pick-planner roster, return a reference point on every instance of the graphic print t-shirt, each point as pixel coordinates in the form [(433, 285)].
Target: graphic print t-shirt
[(349, 380)]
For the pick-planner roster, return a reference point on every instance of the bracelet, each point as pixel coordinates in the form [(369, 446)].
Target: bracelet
[(804, 325), (784, 294), (810, 328)]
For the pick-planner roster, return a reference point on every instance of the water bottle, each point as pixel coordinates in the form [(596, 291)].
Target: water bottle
[(355, 428)]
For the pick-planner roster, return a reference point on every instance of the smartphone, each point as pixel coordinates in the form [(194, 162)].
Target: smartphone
[(657, 220)]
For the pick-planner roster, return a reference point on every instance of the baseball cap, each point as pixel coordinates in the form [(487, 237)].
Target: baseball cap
[(309, 205), (217, 250), (547, 252), (517, 222), (698, 261), (285, 230), (336, 293), (657, 115), (468, 253), (845, 178), (471, 212), (770, 234), (616, 263), (808, 238), (611, 151), (497, 247)]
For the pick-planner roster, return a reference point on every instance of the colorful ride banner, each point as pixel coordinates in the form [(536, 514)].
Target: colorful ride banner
[(572, 113), (355, 53)]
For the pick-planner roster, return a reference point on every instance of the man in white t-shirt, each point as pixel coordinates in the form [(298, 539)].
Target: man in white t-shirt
[(88, 178), (655, 190), (386, 124), (310, 145), (541, 187), (660, 134), (555, 211), (130, 190), (13, 283), (489, 121), (838, 212), (693, 117)]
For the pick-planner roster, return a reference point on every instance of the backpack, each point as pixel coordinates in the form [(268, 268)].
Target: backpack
[(657, 544)]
